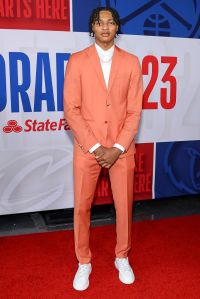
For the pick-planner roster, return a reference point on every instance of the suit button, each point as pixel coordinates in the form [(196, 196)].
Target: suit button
[(106, 122)]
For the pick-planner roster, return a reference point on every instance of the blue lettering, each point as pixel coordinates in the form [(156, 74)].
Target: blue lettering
[(3, 98), (43, 67), (15, 88), (60, 73), (20, 82)]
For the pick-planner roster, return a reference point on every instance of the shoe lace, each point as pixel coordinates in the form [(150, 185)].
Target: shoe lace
[(82, 269), (124, 264)]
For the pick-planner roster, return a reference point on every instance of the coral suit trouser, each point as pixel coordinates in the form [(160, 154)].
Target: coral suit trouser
[(86, 172)]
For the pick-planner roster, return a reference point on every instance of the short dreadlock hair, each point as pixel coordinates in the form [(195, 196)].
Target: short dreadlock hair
[(95, 17)]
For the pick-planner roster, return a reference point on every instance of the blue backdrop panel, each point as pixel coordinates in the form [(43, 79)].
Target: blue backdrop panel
[(144, 17), (177, 168), (81, 13)]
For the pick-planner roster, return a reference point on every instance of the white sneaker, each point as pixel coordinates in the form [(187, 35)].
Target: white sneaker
[(81, 279), (126, 274)]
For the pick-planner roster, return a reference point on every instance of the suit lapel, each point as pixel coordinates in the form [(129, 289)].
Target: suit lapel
[(94, 58), (116, 59)]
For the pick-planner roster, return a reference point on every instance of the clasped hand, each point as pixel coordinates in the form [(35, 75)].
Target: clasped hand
[(106, 157)]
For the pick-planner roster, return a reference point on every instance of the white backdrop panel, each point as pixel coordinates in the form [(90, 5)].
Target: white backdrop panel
[(36, 167)]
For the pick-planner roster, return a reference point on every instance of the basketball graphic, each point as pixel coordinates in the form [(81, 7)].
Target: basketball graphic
[(157, 24)]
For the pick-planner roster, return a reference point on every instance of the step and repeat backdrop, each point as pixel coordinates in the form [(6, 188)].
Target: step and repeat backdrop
[(36, 143)]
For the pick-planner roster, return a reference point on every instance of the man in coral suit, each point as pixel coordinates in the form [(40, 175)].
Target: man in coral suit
[(102, 105)]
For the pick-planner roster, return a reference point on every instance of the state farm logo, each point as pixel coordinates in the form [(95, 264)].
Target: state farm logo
[(33, 125), (12, 126)]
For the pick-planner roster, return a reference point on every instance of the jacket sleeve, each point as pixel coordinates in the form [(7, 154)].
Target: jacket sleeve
[(134, 107), (72, 106)]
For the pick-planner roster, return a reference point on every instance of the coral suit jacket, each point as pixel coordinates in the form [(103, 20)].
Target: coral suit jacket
[(96, 113)]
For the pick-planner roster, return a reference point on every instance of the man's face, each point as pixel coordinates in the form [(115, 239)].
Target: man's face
[(105, 29)]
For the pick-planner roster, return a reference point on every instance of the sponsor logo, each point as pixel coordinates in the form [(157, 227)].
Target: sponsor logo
[(184, 156), (33, 125), (177, 168), (12, 126)]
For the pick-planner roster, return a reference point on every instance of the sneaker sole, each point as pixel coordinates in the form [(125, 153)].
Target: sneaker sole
[(121, 279), (81, 289), (85, 287)]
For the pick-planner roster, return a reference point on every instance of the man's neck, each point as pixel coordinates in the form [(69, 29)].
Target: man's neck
[(105, 46)]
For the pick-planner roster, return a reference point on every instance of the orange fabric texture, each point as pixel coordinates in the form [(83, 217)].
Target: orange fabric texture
[(110, 115)]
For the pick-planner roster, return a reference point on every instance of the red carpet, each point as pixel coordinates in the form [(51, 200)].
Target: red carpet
[(165, 259)]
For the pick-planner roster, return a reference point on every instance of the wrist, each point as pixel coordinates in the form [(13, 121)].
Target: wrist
[(97, 149), (117, 150)]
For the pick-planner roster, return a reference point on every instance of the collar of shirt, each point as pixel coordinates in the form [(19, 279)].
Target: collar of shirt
[(105, 55)]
